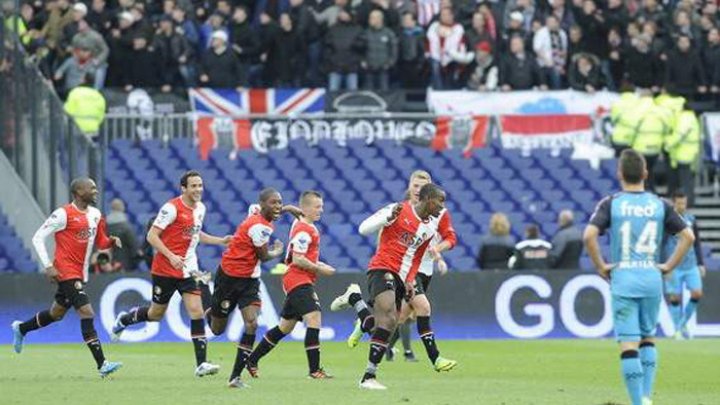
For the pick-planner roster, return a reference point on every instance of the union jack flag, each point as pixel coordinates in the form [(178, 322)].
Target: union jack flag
[(257, 101)]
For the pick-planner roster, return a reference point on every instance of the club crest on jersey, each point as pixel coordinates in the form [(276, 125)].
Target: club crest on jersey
[(389, 277), (225, 304), (78, 285), (411, 240), (157, 290)]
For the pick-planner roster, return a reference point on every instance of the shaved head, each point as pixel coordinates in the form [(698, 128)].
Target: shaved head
[(566, 217), (79, 184)]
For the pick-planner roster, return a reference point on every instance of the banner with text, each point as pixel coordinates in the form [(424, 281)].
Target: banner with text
[(529, 132), (520, 102), (263, 135), (480, 305)]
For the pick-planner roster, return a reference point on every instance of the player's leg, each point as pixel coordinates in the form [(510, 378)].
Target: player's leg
[(271, 339), (693, 281), (385, 308), (162, 290), (89, 334), (402, 332), (248, 299), (673, 291), (352, 298), (649, 312), (626, 317), (41, 319), (193, 305), (313, 323), (422, 310)]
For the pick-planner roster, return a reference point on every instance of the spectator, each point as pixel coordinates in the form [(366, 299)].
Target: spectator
[(683, 26), (269, 32), (657, 44), (86, 106), (100, 17), (479, 32), (563, 14), (187, 28), (60, 16), (497, 247), (567, 244), (391, 18), (644, 68), (329, 16), (288, 55), (551, 46), (79, 11), (445, 43), (90, 40), (215, 23), (518, 71), (142, 27), (616, 15), (343, 51), (532, 253), (585, 73), (711, 59), (175, 56), (381, 52), (120, 43), (306, 28), (484, 73), (616, 57), (143, 65), (576, 42), (594, 28), (526, 8), (74, 69), (515, 28), (246, 44), (223, 8), (119, 225), (412, 53), (220, 67), (684, 74), (651, 11)]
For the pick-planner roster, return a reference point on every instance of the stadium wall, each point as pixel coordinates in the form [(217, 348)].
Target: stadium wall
[(483, 305)]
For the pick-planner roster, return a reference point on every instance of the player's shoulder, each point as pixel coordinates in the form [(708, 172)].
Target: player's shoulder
[(94, 212)]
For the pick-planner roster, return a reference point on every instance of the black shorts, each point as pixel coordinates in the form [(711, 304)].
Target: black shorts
[(165, 287), (300, 301), (380, 281), (71, 293), (233, 291), (422, 283)]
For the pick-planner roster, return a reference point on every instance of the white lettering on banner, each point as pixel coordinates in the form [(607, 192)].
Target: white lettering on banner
[(544, 312), (277, 134), (565, 140), (569, 295), (108, 313)]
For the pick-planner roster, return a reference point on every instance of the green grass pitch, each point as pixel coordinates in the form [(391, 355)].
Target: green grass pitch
[(510, 372)]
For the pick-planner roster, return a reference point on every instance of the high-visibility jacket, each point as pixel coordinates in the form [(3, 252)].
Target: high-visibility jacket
[(683, 145), (87, 107), (653, 128), (622, 119)]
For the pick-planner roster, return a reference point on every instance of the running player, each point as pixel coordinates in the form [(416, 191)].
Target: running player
[(689, 273), (76, 227), (406, 231), (301, 301), (637, 221), (175, 234), (444, 240), (237, 280)]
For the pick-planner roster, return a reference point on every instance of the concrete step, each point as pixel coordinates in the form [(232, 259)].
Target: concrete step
[(706, 212), (709, 224)]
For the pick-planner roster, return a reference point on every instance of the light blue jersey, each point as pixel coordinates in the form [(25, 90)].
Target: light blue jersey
[(690, 261), (637, 222)]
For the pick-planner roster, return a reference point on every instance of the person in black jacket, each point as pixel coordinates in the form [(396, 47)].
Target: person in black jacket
[(175, 56), (643, 67), (288, 55), (497, 246), (411, 57), (518, 70), (533, 253), (711, 59), (220, 67), (567, 244), (144, 69), (684, 73), (585, 74), (246, 44), (343, 52)]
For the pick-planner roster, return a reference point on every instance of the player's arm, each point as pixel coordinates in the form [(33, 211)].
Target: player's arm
[(599, 222), (260, 236), (167, 216), (674, 224), (698, 249), (292, 210), (102, 240), (300, 244), (214, 240), (55, 223), (380, 219)]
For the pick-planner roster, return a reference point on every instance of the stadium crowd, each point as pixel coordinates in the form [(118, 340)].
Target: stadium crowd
[(483, 45)]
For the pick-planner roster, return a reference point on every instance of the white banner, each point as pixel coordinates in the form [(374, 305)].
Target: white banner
[(712, 136), (520, 102)]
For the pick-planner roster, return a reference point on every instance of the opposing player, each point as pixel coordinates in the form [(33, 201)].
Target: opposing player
[(637, 221), (688, 274), (445, 239), (237, 280), (175, 234), (405, 233), (77, 227), (301, 301)]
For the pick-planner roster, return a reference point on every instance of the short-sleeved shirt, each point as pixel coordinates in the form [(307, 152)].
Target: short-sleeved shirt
[(304, 240), (637, 222), (693, 258), (180, 226), (240, 259)]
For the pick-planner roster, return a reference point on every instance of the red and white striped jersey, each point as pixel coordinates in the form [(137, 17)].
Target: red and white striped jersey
[(304, 240), (240, 259), (76, 232), (402, 243), (181, 226), (445, 232)]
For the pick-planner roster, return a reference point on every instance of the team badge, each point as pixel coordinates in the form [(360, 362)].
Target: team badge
[(157, 290), (225, 304), (78, 285), (389, 277)]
